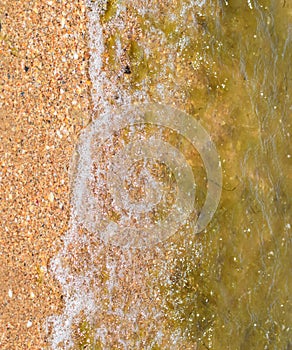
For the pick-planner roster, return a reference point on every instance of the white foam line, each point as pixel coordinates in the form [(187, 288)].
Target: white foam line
[(96, 46)]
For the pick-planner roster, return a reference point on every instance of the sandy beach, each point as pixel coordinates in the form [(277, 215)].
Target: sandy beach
[(62, 64), (43, 105)]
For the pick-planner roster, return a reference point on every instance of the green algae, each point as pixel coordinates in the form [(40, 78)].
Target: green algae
[(111, 45), (85, 338), (139, 63), (110, 11)]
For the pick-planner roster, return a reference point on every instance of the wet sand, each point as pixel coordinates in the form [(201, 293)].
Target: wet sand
[(44, 103)]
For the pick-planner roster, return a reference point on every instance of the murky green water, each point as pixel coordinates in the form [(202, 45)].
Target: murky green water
[(229, 65)]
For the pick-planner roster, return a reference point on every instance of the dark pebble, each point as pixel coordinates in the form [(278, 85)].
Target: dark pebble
[(127, 70)]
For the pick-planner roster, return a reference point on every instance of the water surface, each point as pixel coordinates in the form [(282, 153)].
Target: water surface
[(228, 64)]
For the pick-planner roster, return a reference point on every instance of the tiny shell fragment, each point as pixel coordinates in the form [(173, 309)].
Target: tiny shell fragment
[(51, 197)]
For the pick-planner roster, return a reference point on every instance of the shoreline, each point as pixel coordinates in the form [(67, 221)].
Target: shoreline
[(158, 297)]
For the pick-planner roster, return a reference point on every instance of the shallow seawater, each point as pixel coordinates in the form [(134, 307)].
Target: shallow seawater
[(227, 64)]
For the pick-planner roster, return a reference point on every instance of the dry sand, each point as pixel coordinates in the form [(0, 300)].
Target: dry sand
[(44, 103)]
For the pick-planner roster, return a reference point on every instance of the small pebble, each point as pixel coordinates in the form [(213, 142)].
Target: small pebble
[(51, 197), (127, 70)]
